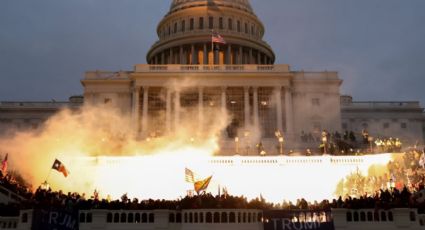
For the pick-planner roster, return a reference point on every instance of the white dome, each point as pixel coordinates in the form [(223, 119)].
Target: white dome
[(240, 4)]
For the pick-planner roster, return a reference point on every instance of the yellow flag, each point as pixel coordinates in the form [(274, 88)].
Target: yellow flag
[(202, 184)]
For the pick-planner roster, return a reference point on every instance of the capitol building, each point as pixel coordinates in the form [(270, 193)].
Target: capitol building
[(186, 73)]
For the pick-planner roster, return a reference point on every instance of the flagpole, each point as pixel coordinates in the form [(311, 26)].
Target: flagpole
[(212, 47)]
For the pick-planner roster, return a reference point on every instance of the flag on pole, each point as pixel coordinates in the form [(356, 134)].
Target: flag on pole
[(4, 164), (189, 176), (217, 38), (202, 184), (58, 166)]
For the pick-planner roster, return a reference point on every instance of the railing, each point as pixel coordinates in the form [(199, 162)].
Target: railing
[(144, 68), (52, 104), (389, 104)]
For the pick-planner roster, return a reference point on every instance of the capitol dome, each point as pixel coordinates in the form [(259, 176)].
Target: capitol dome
[(185, 34)]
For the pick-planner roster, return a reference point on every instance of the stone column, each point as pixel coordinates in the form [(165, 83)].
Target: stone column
[(246, 107), (279, 122), (176, 110), (168, 111), (156, 59), (136, 108), (145, 110), (163, 58), (192, 54), (289, 111), (250, 61), (223, 100), (240, 55), (229, 52), (258, 58), (256, 120), (181, 55), (205, 54), (201, 107)]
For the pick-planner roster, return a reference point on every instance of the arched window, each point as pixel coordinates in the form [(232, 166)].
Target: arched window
[(25, 218), (151, 218), (190, 217), (116, 218), (195, 217), (349, 217), (82, 217), (356, 216), (362, 216), (171, 218), (249, 217), (254, 218), (390, 216), (259, 217), (201, 217), (230, 24), (239, 217), (137, 218), (208, 217), (178, 218), (216, 217), (369, 216), (238, 26), (185, 217), (89, 217), (232, 217), (123, 218), (383, 216), (130, 218), (412, 216), (144, 218), (376, 216), (244, 217), (183, 26), (223, 217), (109, 217)]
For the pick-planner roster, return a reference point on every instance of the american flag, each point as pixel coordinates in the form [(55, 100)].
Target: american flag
[(216, 38), (189, 176)]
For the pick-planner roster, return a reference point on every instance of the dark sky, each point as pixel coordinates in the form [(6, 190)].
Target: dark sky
[(377, 46)]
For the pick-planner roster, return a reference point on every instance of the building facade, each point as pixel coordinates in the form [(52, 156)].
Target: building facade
[(188, 75)]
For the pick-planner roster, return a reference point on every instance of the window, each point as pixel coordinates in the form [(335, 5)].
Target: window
[(89, 218), (175, 27), (169, 30), (216, 217), (137, 218), (201, 23), (123, 218), (208, 217), (386, 125), (230, 24), (183, 25), (252, 30), (109, 218), (220, 23), (315, 101), (246, 28), (151, 218), (403, 125), (116, 217), (171, 218), (130, 218), (223, 217), (25, 218), (239, 26), (191, 24), (232, 217), (210, 23)]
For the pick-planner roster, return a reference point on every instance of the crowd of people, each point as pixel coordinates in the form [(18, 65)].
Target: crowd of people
[(349, 142), (409, 195)]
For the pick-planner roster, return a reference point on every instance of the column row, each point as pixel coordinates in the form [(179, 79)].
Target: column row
[(250, 107), (201, 54)]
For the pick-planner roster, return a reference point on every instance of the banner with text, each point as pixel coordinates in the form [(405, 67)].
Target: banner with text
[(297, 220), (54, 219)]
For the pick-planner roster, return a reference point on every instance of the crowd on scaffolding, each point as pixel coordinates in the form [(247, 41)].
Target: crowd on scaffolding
[(350, 142)]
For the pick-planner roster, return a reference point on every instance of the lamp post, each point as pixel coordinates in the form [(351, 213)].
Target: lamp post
[(281, 145), (370, 139), (237, 145)]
